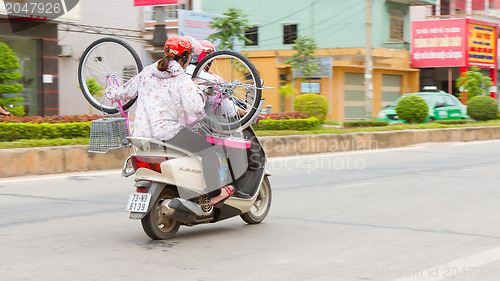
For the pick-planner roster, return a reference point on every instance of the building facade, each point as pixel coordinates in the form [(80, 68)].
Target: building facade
[(49, 51), (37, 50), (486, 12), (339, 28), (98, 19)]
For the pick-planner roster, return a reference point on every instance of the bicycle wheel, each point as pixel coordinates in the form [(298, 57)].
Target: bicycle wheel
[(238, 86), (107, 57)]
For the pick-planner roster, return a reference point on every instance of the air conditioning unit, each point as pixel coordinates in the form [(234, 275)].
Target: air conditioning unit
[(64, 51)]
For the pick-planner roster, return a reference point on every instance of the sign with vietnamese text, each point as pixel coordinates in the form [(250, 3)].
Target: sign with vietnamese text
[(196, 24), (325, 68), (439, 43), (482, 46)]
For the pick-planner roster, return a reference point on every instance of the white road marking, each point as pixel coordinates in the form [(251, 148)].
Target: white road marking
[(471, 169), (352, 185), (465, 266)]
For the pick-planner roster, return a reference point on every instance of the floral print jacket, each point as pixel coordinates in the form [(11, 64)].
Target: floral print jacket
[(163, 97)]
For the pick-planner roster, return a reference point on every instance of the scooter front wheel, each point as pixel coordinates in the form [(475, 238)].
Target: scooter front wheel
[(262, 204), (155, 224)]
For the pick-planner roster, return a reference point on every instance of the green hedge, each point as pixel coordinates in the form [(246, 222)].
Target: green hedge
[(17, 131), (310, 123), (351, 124), (451, 122)]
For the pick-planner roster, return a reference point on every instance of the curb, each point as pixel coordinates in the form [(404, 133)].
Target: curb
[(64, 159)]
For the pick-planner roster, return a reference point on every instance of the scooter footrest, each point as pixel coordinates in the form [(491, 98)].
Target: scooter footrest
[(185, 206)]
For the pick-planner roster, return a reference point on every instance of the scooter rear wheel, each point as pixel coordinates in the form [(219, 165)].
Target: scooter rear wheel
[(262, 204), (156, 225)]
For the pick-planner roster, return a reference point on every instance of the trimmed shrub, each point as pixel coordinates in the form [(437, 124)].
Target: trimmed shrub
[(451, 122), (17, 131), (482, 108), (412, 109), (351, 124), (312, 104), (288, 124)]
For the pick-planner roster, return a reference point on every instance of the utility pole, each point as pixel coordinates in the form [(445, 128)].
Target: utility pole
[(368, 62), (160, 33), (468, 7)]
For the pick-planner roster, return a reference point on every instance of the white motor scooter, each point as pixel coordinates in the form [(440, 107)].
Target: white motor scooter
[(169, 181), (171, 187)]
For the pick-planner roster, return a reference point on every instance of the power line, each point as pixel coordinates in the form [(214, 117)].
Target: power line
[(296, 12), (306, 28), (109, 31)]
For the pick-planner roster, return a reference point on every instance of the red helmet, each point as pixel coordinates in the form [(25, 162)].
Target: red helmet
[(208, 48), (177, 45)]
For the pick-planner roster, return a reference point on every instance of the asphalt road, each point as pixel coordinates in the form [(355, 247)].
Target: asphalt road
[(428, 212)]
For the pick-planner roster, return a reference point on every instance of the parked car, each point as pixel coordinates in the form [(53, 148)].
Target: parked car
[(442, 106)]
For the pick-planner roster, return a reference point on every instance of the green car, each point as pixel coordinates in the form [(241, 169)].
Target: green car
[(442, 106)]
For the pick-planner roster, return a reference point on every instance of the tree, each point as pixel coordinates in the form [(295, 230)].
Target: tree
[(231, 27), (94, 87), (304, 60), (8, 64), (474, 83), (287, 90)]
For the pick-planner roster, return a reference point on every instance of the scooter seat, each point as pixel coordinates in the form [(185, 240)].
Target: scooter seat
[(230, 142)]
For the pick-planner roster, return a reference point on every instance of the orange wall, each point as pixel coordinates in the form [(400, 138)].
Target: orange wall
[(332, 89)]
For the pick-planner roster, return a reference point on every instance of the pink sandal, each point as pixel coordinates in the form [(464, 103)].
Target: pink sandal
[(230, 191)]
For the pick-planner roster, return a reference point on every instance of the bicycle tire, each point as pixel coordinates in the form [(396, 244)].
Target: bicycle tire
[(253, 105), (100, 78)]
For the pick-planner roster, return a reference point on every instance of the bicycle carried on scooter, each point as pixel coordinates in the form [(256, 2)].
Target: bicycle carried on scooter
[(170, 187)]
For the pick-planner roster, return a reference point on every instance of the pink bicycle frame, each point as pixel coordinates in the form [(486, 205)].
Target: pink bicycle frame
[(120, 107)]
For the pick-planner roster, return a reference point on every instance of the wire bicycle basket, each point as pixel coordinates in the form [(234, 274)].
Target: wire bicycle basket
[(107, 134)]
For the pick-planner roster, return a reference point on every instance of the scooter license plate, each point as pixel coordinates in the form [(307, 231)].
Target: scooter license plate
[(138, 202)]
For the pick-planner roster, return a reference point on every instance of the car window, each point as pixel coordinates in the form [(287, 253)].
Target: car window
[(451, 101), (440, 99), (427, 98)]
